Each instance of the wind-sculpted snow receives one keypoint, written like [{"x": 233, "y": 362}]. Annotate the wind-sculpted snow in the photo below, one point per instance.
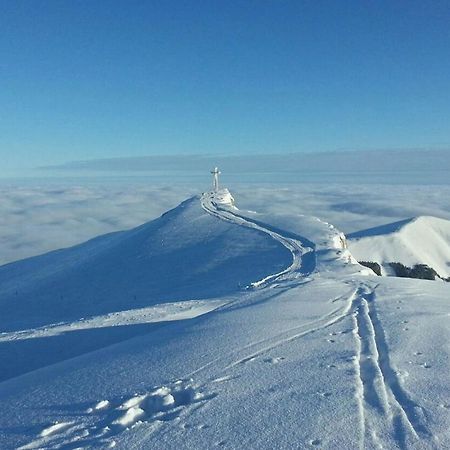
[{"x": 316, "y": 353}]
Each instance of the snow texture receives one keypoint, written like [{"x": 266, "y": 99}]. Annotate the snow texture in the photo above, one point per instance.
[{"x": 300, "y": 347}]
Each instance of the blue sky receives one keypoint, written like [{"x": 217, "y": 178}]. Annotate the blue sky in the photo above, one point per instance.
[{"x": 100, "y": 79}]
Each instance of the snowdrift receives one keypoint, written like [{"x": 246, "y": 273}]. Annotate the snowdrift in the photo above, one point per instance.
[{"x": 419, "y": 240}]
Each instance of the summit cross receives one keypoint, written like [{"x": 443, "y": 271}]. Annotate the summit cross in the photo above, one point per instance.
[{"x": 215, "y": 173}]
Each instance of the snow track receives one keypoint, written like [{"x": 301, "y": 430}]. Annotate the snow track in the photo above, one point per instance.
[
  {"x": 384, "y": 404},
  {"x": 297, "y": 249},
  {"x": 258, "y": 348},
  {"x": 306, "y": 356}
]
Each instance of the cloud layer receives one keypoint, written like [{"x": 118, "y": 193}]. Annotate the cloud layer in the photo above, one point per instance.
[
  {"x": 415, "y": 166},
  {"x": 37, "y": 219}
]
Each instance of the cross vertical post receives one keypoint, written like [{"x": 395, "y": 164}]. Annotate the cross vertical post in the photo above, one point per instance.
[{"x": 215, "y": 173}]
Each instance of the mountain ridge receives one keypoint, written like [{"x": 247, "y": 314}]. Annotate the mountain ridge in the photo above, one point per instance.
[{"x": 417, "y": 240}]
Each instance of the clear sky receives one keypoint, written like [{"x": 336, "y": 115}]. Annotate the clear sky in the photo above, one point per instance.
[{"x": 99, "y": 79}]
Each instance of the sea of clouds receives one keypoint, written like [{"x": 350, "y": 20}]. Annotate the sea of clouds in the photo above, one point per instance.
[{"x": 37, "y": 218}]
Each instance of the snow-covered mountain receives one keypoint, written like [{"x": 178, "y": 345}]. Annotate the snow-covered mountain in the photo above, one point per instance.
[
  {"x": 184, "y": 255},
  {"x": 215, "y": 327},
  {"x": 419, "y": 240}
]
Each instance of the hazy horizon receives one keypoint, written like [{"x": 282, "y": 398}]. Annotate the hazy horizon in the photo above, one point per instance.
[{"x": 397, "y": 166}]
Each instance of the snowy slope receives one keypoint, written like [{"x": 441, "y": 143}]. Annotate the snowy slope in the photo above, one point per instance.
[
  {"x": 185, "y": 255},
  {"x": 420, "y": 240},
  {"x": 317, "y": 354}
]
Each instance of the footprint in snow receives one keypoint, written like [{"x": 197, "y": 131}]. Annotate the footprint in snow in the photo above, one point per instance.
[
  {"x": 161, "y": 404},
  {"x": 349, "y": 330},
  {"x": 276, "y": 360},
  {"x": 325, "y": 394},
  {"x": 101, "y": 405},
  {"x": 58, "y": 432}
]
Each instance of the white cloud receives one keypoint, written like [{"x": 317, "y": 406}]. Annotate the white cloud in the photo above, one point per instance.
[
  {"x": 37, "y": 219},
  {"x": 351, "y": 207}
]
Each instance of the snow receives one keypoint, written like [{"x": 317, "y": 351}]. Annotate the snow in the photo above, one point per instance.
[
  {"x": 223, "y": 197},
  {"x": 420, "y": 240},
  {"x": 301, "y": 347},
  {"x": 115, "y": 286},
  {"x": 165, "y": 312},
  {"x": 57, "y": 427},
  {"x": 102, "y": 404},
  {"x": 43, "y": 215}
]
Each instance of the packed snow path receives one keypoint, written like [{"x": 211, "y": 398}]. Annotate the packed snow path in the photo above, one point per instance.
[
  {"x": 295, "y": 246},
  {"x": 313, "y": 355}
]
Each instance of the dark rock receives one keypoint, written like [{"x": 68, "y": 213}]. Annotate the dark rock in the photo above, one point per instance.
[
  {"x": 372, "y": 265},
  {"x": 420, "y": 271}
]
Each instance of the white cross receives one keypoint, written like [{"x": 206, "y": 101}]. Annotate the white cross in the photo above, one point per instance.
[{"x": 215, "y": 173}]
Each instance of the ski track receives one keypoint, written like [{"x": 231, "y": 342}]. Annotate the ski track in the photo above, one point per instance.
[
  {"x": 379, "y": 390},
  {"x": 382, "y": 401}
]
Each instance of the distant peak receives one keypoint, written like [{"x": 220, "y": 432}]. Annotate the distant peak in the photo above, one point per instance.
[
  {"x": 382, "y": 229},
  {"x": 396, "y": 227}
]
